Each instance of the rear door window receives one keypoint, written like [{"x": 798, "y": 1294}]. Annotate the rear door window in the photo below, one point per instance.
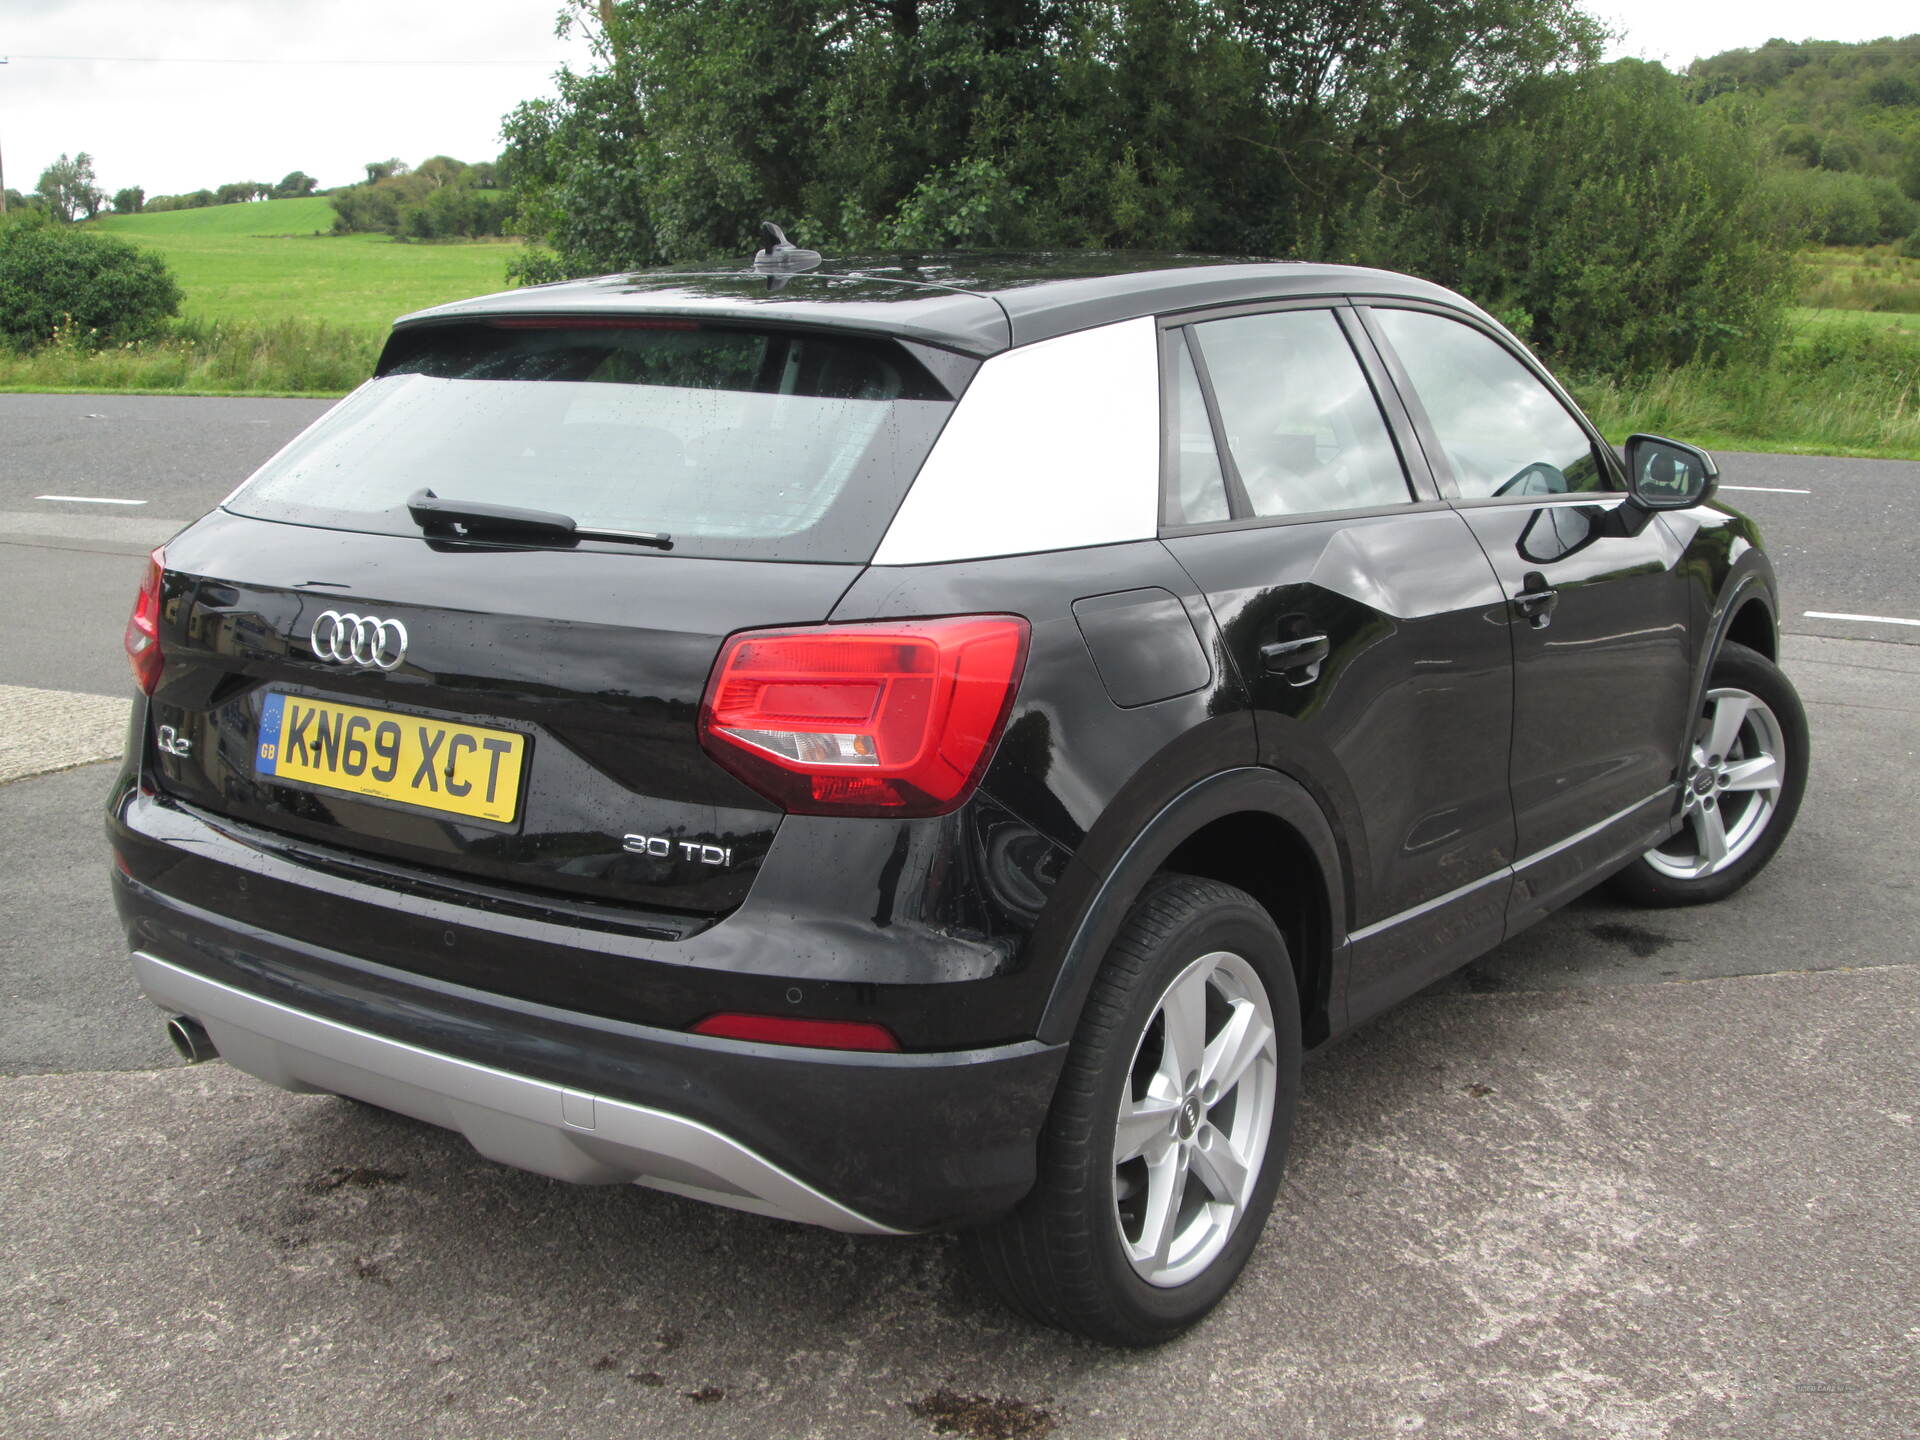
[
  {"x": 736, "y": 442},
  {"x": 1301, "y": 422}
]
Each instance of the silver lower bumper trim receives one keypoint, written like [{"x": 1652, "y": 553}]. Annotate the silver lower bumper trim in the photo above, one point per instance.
[{"x": 514, "y": 1119}]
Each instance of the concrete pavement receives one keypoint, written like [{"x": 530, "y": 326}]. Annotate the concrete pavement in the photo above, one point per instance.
[{"x": 1670, "y": 1210}]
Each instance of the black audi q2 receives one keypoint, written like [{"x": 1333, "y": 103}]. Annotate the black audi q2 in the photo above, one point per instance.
[{"x": 927, "y": 745}]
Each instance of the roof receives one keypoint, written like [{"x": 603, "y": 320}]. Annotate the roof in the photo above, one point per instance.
[{"x": 979, "y": 304}]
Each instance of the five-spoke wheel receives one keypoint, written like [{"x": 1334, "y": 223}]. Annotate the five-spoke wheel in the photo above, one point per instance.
[
  {"x": 1193, "y": 1122},
  {"x": 1731, "y": 786},
  {"x": 1740, "y": 787},
  {"x": 1169, "y": 1127}
]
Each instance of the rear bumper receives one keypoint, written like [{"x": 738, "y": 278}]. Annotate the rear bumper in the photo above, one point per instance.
[
  {"x": 870, "y": 1143},
  {"x": 533, "y": 1124}
]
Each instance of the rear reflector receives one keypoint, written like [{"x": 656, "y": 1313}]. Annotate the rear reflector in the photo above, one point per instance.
[
  {"x": 143, "y": 626},
  {"x": 783, "y": 1030},
  {"x": 895, "y": 718}
]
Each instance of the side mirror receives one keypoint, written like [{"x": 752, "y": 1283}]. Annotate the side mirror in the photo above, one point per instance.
[{"x": 1664, "y": 474}]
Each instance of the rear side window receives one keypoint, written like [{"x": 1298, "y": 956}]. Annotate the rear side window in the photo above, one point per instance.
[
  {"x": 1301, "y": 421},
  {"x": 737, "y": 442},
  {"x": 1504, "y": 433},
  {"x": 1199, "y": 488}
]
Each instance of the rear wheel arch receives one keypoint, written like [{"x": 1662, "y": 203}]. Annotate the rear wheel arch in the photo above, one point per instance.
[
  {"x": 1260, "y": 853},
  {"x": 1252, "y": 828}
]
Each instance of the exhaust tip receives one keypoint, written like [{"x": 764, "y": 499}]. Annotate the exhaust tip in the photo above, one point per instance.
[{"x": 191, "y": 1040}]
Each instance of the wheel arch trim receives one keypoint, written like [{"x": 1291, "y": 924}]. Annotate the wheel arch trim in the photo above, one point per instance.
[
  {"x": 1750, "y": 583},
  {"x": 1246, "y": 790}
]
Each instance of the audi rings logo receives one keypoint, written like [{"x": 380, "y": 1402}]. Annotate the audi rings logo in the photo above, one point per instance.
[{"x": 359, "y": 640}]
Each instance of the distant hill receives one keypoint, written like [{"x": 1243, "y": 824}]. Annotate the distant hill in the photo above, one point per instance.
[{"x": 1829, "y": 105}]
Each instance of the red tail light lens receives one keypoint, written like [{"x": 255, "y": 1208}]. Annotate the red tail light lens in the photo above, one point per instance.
[
  {"x": 784, "y": 1030},
  {"x": 896, "y": 718},
  {"x": 143, "y": 626}
]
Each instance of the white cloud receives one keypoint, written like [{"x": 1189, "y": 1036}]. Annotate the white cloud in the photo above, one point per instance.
[
  {"x": 174, "y": 125},
  {"x": 1679, "y": 32}
]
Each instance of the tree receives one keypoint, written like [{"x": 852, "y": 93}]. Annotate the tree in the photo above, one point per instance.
[
  {"x": 433, "y": 201},
  {"x": 378, "y": 170},
  {"x": 296, "y": 183},
  {"x": 1475, "y": 141},
  {"x": 67, "y": 188},
  {"x": 1621, "y": 225},
  {"x": 53, "y": 275},
  {"x": 440, "y": 170},
  {"x": 1182, "y": 123},
  {"x": 129, "y": 201}
]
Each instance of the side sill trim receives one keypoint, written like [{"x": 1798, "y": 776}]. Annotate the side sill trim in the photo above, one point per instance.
[
  {"x": 1425, "y": 907},
  {"x": 513, "y": 1119},
  {"x": 1592, "y": 830}
]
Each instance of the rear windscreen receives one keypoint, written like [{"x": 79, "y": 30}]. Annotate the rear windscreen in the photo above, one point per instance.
[{"x": 736, "y": 442}]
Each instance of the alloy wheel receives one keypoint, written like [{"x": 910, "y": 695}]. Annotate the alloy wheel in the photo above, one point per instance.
[
  {"x": 1735, "y": 772},
  {"x": 1194, "y": 1120}
]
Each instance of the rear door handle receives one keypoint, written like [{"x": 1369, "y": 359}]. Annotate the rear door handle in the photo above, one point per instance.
[{"x": 1298, "y": 660}]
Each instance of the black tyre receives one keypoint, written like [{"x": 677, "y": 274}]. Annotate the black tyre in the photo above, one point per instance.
[
  {"x": 1169, "y": 1131},
  {"x": 1741, "y": 786}
]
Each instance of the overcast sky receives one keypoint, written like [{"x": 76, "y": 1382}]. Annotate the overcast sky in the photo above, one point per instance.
[{"x": 152, "y": 111}]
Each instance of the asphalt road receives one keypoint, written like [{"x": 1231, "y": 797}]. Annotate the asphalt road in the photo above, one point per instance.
[{"x": 1634, "y": 1174}]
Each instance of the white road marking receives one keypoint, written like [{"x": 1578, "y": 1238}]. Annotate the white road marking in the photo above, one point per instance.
[
  {"x": 1863, "y": 619},
  {"x": 1767, "y": 489},
  {"x": 88, "y": 500}
]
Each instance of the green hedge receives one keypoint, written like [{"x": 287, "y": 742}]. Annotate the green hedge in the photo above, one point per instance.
[{"x": 90, "y": 287}]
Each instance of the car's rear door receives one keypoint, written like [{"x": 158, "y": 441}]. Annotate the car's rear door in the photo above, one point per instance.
[
  {"x": 1600, "y": 613},
  {"x": 1361, "y": 613}
]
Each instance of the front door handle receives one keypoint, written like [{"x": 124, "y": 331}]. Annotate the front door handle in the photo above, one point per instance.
[
  {"x": 1536, "y": 600},
  {"x": 1298, "y": 660}
]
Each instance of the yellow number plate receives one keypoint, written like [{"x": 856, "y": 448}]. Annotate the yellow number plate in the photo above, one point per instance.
[{"x": 428, "y": 763}]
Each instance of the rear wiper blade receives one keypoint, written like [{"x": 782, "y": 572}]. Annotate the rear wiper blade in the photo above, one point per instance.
[{"x": 477, "y": 519}]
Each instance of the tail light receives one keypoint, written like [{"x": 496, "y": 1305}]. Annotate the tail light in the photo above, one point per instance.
[
  {"x": 785, "y": 1030},
  {"x": 896, "y": 718},
  {"x": 143, "y": 626}
]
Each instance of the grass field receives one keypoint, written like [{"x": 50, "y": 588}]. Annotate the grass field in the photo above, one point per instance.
[
  {"x": 276, "y": 260},
  {"x": 1846, "y": 383},
  {"x": 1807, "y": 319},
  {"x": 1874, "y": 280}
]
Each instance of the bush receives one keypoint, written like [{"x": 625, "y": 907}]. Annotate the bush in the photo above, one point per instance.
[
  {"x": 438, "y": 201},
  {"x": 1844, "y": 208},
  {"x": 1605, "y": 216},
  {"x": 280, "y": 357},
  {"x": 98, "y": 288},
  {"x": 1910, "y": 247}
]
